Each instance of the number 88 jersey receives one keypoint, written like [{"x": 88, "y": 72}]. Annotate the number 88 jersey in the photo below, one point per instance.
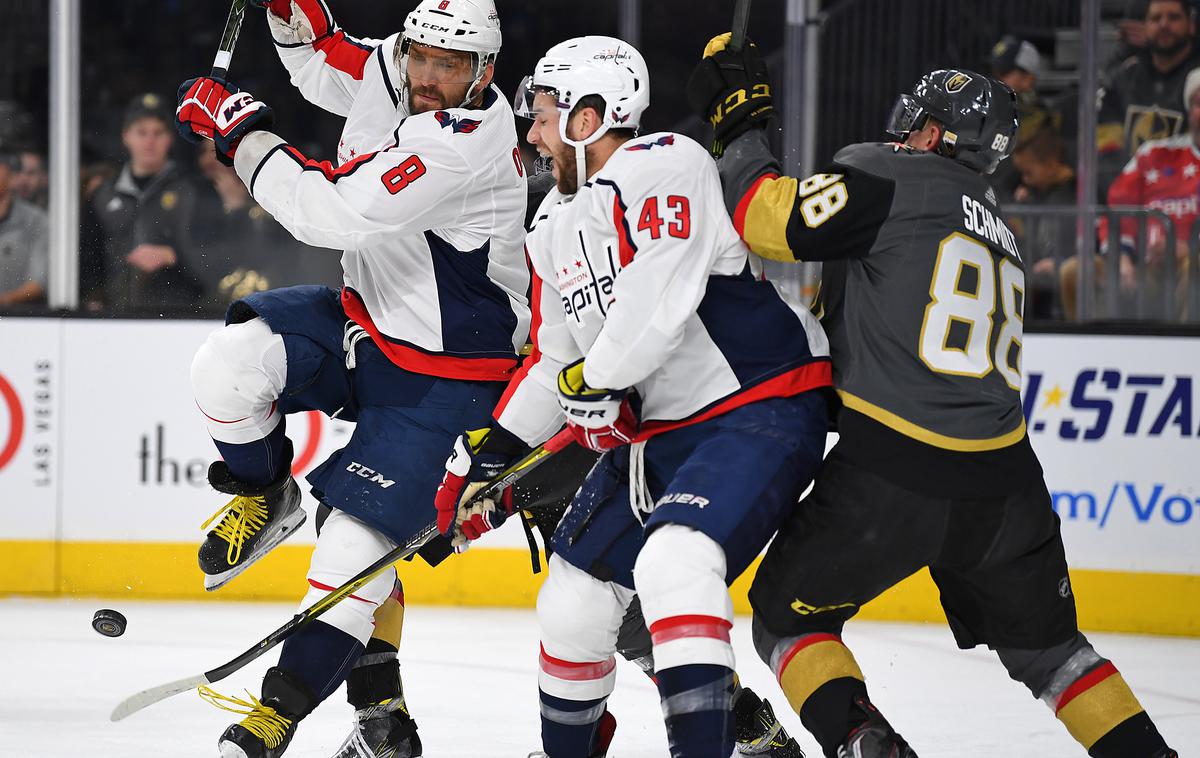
[{"x": 922, "y": 289}]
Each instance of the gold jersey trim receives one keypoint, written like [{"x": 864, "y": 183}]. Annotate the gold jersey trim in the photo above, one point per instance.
[{"x": 929, "y": 437}]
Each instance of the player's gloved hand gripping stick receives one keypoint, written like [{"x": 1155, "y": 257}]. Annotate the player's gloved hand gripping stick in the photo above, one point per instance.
[{"x": 493, "y": 490}]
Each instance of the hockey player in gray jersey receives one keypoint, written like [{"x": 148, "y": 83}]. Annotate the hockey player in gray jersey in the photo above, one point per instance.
[{"x": 922, "y": 299}]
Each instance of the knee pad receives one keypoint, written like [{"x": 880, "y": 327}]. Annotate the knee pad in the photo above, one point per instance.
[
  {"x": 344, "y": 547},
  {"x": 578, "y": 618},
  {"x": 237, "y": 375},
  {"x": 680, "y": 579}
]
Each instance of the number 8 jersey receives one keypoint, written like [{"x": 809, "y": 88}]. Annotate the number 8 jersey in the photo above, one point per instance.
[
  {"x": 642, "y": 272},
  {"x": 921, "y": 295}
]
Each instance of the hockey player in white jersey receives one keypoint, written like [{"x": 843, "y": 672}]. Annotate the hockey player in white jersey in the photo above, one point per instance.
[
  {"x": 426, "y": 201},
  {"x": 654, "y": 340}
]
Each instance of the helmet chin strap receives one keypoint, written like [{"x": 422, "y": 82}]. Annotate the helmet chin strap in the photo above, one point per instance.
[{"x": 580, "y": 147}]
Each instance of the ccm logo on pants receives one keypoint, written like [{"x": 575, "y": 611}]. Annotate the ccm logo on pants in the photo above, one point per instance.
[{"x": 369, "y": 474}]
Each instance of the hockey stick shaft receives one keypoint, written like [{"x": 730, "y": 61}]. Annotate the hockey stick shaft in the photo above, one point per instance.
[
  {"x": 229, "y": 38},
  {"x": 512, "y": 474},
  {"x": 741, "y": 20}
]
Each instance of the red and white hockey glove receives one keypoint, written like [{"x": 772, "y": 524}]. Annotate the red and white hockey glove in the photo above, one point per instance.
[
  {"x": 599, "y": 419},
  {"x": 478, "y": 456},
  {"x": 297, "y": 22},
  {"x": 214, "y": 109}
]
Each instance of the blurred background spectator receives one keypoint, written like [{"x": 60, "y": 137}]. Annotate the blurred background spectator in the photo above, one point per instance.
[
  {"x": 1017, "y": 63},
  {"x": 1163, "y": 175},
  {"x": 146, "y": 215},
  {"x": 1045, "y": 178},
  {"x": 1143, "y": 100},
  {"x": 245, "y": 249},
  {"x": 23, "y": 244},
  {"x": 32, "y": 181}
]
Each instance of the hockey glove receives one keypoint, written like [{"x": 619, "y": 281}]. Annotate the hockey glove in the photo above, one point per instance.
[
  {"x": 731, "y": 90},
  {"x": 478, "y": 456},
  {"x": 297, "y": 22},
  {"x": 599, "y": 419},
  {"x": 216, "y": 110}
]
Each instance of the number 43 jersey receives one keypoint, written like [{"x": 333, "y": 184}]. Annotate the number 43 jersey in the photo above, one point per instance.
[
  {"x": 922, "y": 290},
  {"x": 642, "y": 273}
]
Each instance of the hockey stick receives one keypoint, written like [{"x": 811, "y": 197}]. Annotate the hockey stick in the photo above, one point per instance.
[
  {"x": 229, "y": 38},
  {"x": 514, "y": 473},
  {"x": 741, "y": 19}
]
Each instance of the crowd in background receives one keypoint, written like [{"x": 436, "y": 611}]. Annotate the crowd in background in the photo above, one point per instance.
[{"x": 167, "y": 229}]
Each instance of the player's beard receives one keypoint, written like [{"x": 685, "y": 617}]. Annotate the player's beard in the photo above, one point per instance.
[{"x": 564, "y": 165}]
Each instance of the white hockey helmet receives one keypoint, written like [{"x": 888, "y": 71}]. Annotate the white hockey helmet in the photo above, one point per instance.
[
  {"x": 593, "y": 65},
  {"x": 471, "y": 26}
]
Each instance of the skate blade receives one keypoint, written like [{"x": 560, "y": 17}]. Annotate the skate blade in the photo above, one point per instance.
[{"x": 287, "y": 527}]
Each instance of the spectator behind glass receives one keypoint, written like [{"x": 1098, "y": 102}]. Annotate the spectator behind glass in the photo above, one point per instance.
[
  {"x": 23, "y": 241},
  {"x": 32, "y": 182},
  {"x": 1142, "y": 102},
  {"x": 146, "y": 214},
  {"x": 1016, "y": 63},
  {"x": 246, "y": 250},
  {"x": 1163, "y": 175},
  {"x": 1045, "y": 179}
]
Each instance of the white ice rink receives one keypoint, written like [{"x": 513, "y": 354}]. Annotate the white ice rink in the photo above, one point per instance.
[{"x": 470, "y": 681}]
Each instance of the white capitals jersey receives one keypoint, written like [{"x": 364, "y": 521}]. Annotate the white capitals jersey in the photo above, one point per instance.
[
  {"x": 642, "y": 273},
  {"x": 428, "y": 210}
]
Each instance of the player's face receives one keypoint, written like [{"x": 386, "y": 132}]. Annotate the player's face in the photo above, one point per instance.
[
  {"x": 437, "y": 78},
  {"x": 544, "y": 136},
  {"x": 1168, "y": 27},
  {"x": 148, "y": 142}
]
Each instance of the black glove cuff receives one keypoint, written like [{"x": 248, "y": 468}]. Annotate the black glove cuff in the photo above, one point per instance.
[{"x": 500, "y": 441}]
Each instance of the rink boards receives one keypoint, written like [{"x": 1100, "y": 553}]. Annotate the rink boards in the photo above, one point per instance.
[{"x": 103, "y": 459}]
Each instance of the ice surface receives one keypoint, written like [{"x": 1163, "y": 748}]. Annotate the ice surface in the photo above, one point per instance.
[{"x": 470, "y": 681}]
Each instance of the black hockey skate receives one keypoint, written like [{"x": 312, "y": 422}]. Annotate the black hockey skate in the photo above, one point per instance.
[
  {"x": 252, "y": 523},
  {"x": 382, "y": 731},
  {"x": 383, "y": 727},
  {"x": 270, "y": 723},
  {"x": 757, "y": 730},
  {"x": 874, "y": 738}
]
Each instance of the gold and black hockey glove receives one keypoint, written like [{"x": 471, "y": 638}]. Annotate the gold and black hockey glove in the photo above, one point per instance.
[{"x": 730, "y": 89}]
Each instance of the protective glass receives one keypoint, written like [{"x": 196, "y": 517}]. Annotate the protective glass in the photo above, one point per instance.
[
  {"x": 523, "y": 99},
  {"x": 421, "y": 63},
  {"x": 906, "y": 116}
]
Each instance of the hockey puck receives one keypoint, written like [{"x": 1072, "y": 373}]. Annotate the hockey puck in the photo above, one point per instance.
[{"x": 109, "y": 623}]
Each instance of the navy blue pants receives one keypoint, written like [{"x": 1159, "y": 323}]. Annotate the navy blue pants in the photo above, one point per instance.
[
  {"x": 388, "y": 472},
  {"x": 734, "y": 478}
]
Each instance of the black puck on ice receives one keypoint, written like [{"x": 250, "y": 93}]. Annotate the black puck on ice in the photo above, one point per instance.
[{"x": 109, "y": 623}]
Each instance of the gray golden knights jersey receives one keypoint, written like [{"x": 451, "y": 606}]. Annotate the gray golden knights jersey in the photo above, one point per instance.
[{"x": 923, "y": 285}]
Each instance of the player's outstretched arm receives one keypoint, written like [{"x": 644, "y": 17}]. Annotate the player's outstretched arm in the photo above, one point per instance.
[
  {"x": 363, "y": 202},
  {"x": 835, "y": 213},
  {"x": 324, "y": 62}
]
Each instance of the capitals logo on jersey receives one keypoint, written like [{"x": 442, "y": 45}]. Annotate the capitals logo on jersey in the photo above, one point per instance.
[
  {"x": 660, "y": 142},
  {"x": 459, "y": 125}
]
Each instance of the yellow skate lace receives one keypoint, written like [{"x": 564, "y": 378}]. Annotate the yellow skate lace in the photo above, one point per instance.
[
  {"x": 261, "y": 720},
  {"x": 244, "y": 516}
]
